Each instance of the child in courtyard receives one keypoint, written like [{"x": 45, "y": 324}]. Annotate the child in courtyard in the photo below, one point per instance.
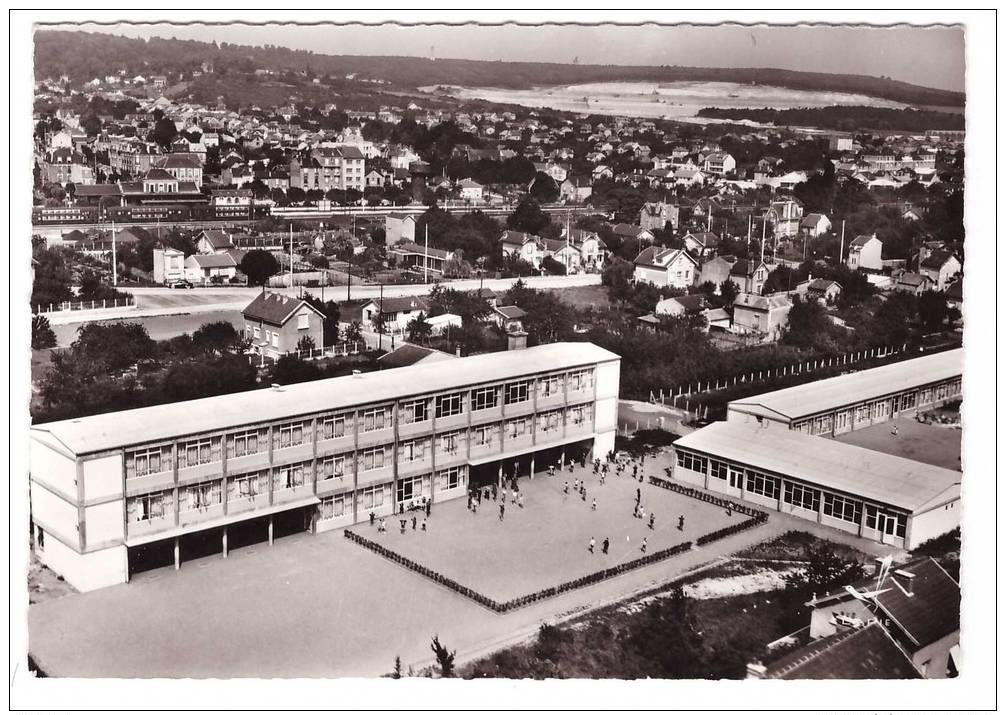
[
  {"x": 593, "y": 505},
  {"x": 643, "y": 546},
  {"x": 604, "y": 545},
  {"x": 681, "y": 523},
  {"x": 651, "y": 521},
  {"x": 590, "y": 548}
]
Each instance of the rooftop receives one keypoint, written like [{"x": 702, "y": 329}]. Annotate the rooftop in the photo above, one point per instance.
[
  {"x": 863, "y": 654},
  {"x": 879, "y": 477},
  {"x": 115, "y": 430},
  {"x": 273, "y": 308},
  {"x": 834, "y": 392}
]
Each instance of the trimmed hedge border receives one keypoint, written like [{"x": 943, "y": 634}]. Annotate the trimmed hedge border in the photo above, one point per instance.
[
  {"x": 756, "y": 517},
  {"x": 520, "y": 601}
]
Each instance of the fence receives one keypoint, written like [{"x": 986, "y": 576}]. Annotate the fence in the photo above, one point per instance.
[
  {"x": 685, "y": 392},
  {"x": 342, "y": 349},
  {"x": 83, "y": 305}
]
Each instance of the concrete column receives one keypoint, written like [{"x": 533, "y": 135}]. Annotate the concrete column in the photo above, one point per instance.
[
  {"x": 499, "y": 478},
  {"x": 532, "y": 465},
  {"x": 562, "y": 459},
  {"x": 862, "y": 520},
  {"x": 223, "y": 541},
  {"x": 270, "y": 530},
  {"x": 820, "y": 508},
  {"x": 178, "y": 555},
  {"x": 782, "y": 490}
]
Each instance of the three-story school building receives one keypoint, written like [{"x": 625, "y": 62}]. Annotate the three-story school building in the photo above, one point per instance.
[{"x": 110, "y": 488}]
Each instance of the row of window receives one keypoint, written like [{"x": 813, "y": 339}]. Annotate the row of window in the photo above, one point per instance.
[{"x": 879, "y": 409}]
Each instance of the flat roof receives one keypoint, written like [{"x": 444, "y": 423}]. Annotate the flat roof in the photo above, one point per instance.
[
  {"x": 114, "y": 430},
  {"x": 875, "y": 476},
  {"x": 834, "y": 392}
]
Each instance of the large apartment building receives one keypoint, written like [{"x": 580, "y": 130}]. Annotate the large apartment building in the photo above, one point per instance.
[
  {"x": 326, "y": 168},
  {"x": 109, "y": 490}
]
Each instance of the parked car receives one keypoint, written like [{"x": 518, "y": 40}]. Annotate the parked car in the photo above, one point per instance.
[{"x": 179, "y": 284}]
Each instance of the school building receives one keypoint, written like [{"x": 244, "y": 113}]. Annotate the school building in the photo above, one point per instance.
[
  {"x": 859, "y": 399},
  {"x": 874, "y": 495},
  {"x": 115, "y": 493}
]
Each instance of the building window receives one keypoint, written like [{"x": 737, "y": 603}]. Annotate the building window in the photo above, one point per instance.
[
  {"x": 415, "y": 411},
  {"x": 303, "y": 321},
  {"x": 551, "y": 385},
  {"x": 451, "y": 478},
  {"x": 449, "y": 443},
  {"x": 201, "y": 496},
  {"x": 149, "y": 506},
  {"x": 332, "y": 427},
  {"x": 516, "y": 392},
  {"x": 580, "y": 380},
  {"x": 372, "y": 497},
  {"x": 373, "y": 459},
  {"x": 762, "y": 484},
  {"x": 198, "y": 452},
  {"x": 550, "y": 421},
  {"x": 331, "y": 508},
  {"x": 801, "y": 496},
  {"x": 687, "y": 460},
  {"x": 449, "y": 405},
  {"x": 275, "y": 340},
  {"x": 484, "y": 398},
  {"x": 413, "y": 451},
  {"x": 257, "y": 332},
  {"x": 517, "y": 428},
  {"x": 146, "y": 462},
  {"x": 333, "y": 468},
  {"x": 290, "y": 476},
  {"x": 290, "y": 435},
  {"x": 483, "y": 436},
  {"x": 842, "y": 508},
  {"x": 409, "y": 488},
  {"x": 246, "y": 486},
  {"x": 243, "y": 443},
  {"x": 579, "y": 415},
  {"x": 907, "y": 401},
  {"x": 718, "y": 469},
  {"x": 374, "y": 419}
]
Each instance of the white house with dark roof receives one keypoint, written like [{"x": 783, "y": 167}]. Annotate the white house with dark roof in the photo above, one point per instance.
[
  {"x": 665, "y": 267},
  {"x": 209, "y": 268},
  {"x": 763, "y": 314},
  {"x": 865, "y": 252},
  {"x": 275, "y": 324},
  {"x": 815, "y": 224},
  {"x": 525, "y": 246}
]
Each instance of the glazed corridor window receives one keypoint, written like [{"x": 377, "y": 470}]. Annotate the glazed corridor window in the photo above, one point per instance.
[
  {"x": 413, "y": 451},
  {"x": 332, "y": 427},
  {"x": 579, "y": 415},
  {"x": 247, "y": 486},
  {"x": 579, "y": 380},
  {"x": 687, "y": 460},
  {"x": 516, "y": 392},
  {"x": 449, "y": 405},
  {"x": 374, "y": 419},
  {"x": 291, "y": 476},
  {"x": 332, "y": 508},
  {"x": 451, "y": 478},
  {"x": 517, "y": 428},
  {"x": 842, "y": 508},
  {"x": 372, "y": 497},
  {"x": 149, "y": 506},
  {"x": 333, "y": 468},
  {"x": 144, "y": 462},
  {"x": 801, "y": 496},
  {"x": 201, "y": 496},
  {"x": 484, "y": 398},
  {"x": 550, "y": 421},
  {"x": 198, "y": 452},
  {"x": 551, "y": 386},
  {"x": 373, "y": 459},
  {"x": 290, "y": 435},
  {"x": 718, "y": 469},
  {"x": 243, "y": 443},
  {"x": 415, "y": 411},
  {"x": 762, "y": 484},
  {"x": 483, "y": 436},
  {"x": 449, "y": 443}
]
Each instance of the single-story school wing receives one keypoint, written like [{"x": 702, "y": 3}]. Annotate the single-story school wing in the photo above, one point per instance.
[
  {"x": 859, "y": 399},
  {"x": 109, "y": 490},
  {"x": 871, "y": 494}
]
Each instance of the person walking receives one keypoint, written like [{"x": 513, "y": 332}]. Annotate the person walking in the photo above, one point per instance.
[
  {"x": 651, "y": 521},
  {"x": 381, "y": 528},
  {"x": 681, "y": 523},
  {"x": 639, "y": 495},
  {"x": 590, "y": 547},
  {"x": 502, "y": 509},
  {"x": 602, "y": 479},
  {"x": 643, "y": 545},
  {"x": 604, "y": 545},
  {"x": 372, "y": 517},
  {"x": 642, "y": 460},
  {"x": 576, "y": 485},
  {"x": 423, "y": 527},
  {"x": 565, "y": 487},
  {"x": 429, "y": 507},
  {"x": 413, "y": 523},
  {"x": 642, "y": 513},
  {"x": 583, "y": 494},
  {"x": 402, "y": 522},
  {"x": 520, "y": 500},
  {"x": 593, "y": 505}
]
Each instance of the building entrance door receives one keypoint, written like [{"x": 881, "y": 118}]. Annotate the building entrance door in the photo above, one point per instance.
[{"x": 888, "y": 526}]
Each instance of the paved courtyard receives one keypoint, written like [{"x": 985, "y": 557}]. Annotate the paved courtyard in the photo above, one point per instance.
[
  {"x": 546, "y": 542},
  {"x": 930, "y": 444}
]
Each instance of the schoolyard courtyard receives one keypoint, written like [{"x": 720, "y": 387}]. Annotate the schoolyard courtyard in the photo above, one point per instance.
[
  {"x": 931, "y": 444},
  {"x": 546, "y": 542}
]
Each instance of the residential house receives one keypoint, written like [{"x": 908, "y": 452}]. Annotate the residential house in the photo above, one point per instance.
[
  {"x": 588, "y": 246},
  {"x": 340, "y": 167},
  {"x": 785, "y": 216},
  {"x": 716, "y": 270},
  {"x": 184, "y": 167},
  {"x": 681, "y": 305},
  {"x": 399, "y": 227},
  {"x": 815, "y": 224},
  {"x": 575, "y": 189},
  {"x": 396, "y": 313},
  {"x": 169, "y": 266},
  {"x": 703, "y": 243},
  {"x": 658, "y": 215},
  {"x": 916, "y": 283},
  {"x": 525, "y": 246},
  {"x": 823, "y": 291},
  {"x": 665, "y": 267},
  {"x": 763, "y": 314},
  {"x": 471, "y": 191},
  {"x": 411, "y": 256},
  {"x": 213, "y": 241},
  {"x": 865, "y": 252},
  {"x": 65, "y": 166},
  {"x": 628, "y": 232},
  {"x": 719, "y": 163},
  {"x": 509, "y": 318},
  {"x": 210, "y": 268},
  {"x": 941, "y": 267},
  {"x": 749, "y": 275},
  {"x": 275, "y": 324}
]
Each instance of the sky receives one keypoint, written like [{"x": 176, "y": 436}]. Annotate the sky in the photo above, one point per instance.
[{"x": 927, "y": 56}]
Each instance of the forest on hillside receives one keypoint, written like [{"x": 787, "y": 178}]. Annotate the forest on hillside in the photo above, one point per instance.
[
  {"x": 82, "y": 56},
  {"x": 844, "y": 118}
]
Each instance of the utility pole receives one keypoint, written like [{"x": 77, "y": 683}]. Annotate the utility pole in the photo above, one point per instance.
[
  {"x": 841, "y": 244},
  {"x": 709, "y": 217},
  {"x": 349, "y": 272},
  {"x": 763, "y": 224},
  {"x": 291, "y": 255},
  {"x": 426, "y": 255},
  {"x": 380, "y": 318},
  {"x": 115, "y": 267}
]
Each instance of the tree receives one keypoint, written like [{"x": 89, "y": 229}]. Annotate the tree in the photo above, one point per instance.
[
  {"x": 259, "y": 266},
  {"x": 528, "y": 217},
  {"x": 353, "y": 332},
  {"x": 290, "y": 369},
  {"x": 419, "y": 329},
  {"x": 52, "y": 283},
  {"x": 808, "y": 324},
  {"x": 112, "y": 346},
  {"x": 445, "y": 658},
  {"x": 933, "y": 309},
  {"x": 217, "y": 337},
  {"x": 305, "y": 344},
  {"x": 666, "y": 635},
  {"x": 164, "y": 132},
  {"x": 826, "y": 570},
  {"x": 617, "y": 275},
  {"x": 397, "y": 672},
  {"x": 330, "y": 323},
  {"x": 728, "y": 292},
  {"x": 42, "y": 335}
]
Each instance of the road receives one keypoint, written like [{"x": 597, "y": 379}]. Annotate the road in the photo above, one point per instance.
[{"x": 156, "y": 302}]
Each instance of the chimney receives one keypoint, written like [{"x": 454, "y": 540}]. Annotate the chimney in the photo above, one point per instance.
[
  {"x": 878, "y": 565},
  {"x": 457, "y": 350},
  {"x": 516, "y": 340},
  {"x": 756, "y": 671},
  {"x": 905, "y": 579}
]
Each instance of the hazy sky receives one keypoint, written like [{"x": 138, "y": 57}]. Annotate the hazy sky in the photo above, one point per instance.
[{"x": 928, "y": 56}]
